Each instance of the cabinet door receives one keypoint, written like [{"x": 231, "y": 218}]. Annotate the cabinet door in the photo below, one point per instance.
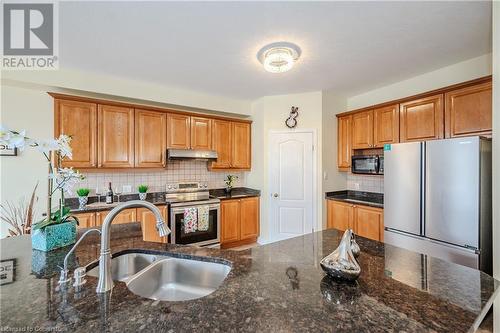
[
  {"x": 386, "y": 125},
  {"x": 86, "y": 220},
  {"x": 148, "y": 224},
  {"x": 178, "y": 131},
  {"x": 230, "y": 221},
  {"x": 422, "y": 119},
  {"x": 116, "y": 136},
  {"x": 150, "y": 139},
  {"x": 78, "y": 120},
  {"x": 241, "y": 156},
  {"x": 339, "y": 215},
  {"x": 468, "y": 111},
  {"x": 201, "y": 133},
  {"x": 125, "y": 216},
  {"x": 222, "y": 143},
  {"x": 362, "y": 130},
  {"x": 344, "y": 148},
  {"x": 249, "y": 210},
  {"x": 368, "y": 222}
]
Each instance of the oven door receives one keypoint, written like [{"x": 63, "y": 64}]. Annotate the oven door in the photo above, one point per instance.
[
  {"x": 364, "y": 164},
  {"x": 210, "y": 236}
]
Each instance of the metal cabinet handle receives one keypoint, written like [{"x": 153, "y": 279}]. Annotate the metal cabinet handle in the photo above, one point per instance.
[{"x": 275, "y": 195}]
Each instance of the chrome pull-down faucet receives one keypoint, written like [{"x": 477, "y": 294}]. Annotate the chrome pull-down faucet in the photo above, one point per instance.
[{"x": 105, "y": 280}]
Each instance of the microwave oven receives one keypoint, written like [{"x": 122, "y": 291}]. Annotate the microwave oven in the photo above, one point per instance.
[{"x": 367, "y": 164}]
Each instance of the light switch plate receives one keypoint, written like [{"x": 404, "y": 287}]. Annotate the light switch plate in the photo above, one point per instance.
[{"x": 127, "y": 189}]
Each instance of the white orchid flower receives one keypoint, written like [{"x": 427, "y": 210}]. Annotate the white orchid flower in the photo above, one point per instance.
[
  {"x": 67, "y": 178},
  {"x": 63, "y": 146},
  {"x": 13, "y": 139},
  {"x": 46, "y": 146}
]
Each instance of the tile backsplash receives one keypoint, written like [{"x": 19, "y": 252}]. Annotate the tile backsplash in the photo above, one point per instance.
[
  {"x": 176, "y": 171},
  {"x": 365, "y": 183}
]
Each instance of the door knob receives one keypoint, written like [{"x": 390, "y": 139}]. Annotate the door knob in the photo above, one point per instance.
[{"x": 275, "y": 195}]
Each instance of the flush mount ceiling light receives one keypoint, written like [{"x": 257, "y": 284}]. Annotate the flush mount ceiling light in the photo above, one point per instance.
[{"x": 278, "y": 57}]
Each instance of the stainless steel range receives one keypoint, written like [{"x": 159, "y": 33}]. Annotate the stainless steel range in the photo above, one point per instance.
[{"x": 194, "y": 214}]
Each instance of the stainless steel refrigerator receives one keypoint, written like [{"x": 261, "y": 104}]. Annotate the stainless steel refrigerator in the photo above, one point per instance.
[{"x": 437, "y": 199}]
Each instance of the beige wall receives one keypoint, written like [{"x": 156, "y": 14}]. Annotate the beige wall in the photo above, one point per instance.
[
  {"x": 333, "y": 180},
  {"x": 442, "y": 77},
  {"x": 269, "y": 114},
  {"x": 496, "y": 158}
]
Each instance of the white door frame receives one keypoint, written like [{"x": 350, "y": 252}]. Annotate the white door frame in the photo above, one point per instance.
[{"x": 317, "y": 225}]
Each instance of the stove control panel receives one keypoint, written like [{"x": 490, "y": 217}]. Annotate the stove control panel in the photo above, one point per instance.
[{"x": 186, "y": 187}]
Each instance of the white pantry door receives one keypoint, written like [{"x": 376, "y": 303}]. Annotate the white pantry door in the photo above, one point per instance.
[{"x": 291, "y": 184}]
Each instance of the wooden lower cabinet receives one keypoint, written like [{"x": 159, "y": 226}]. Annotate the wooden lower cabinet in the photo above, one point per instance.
[
  {"x": 240, "y": 219},
  {"x": 125, "y": 216},
  {"x": 340, "y": 215},
  {"x": 365, "y": 221},
  {"x": 148, "y": 224},
  {"x": 369, "y": 222},
  {"x": 85, "y": 220}
]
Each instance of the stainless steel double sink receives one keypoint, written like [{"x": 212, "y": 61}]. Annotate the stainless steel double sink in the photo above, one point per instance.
[{"x": 166, "y": 278}]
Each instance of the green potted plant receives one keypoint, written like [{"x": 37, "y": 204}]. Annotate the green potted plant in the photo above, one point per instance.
[
  {"x": 143, "y": 191},
  {"x": 83, "y": 196},
  {"x": 58, "y": 227},
  {"x": 230, "y": 179}
]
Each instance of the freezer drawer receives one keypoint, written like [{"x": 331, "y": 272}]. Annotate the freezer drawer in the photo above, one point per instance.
[{"x": 432, "y": 248}]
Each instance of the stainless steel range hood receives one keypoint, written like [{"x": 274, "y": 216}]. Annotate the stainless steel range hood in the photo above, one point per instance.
[{"x": 191, "y": 154}]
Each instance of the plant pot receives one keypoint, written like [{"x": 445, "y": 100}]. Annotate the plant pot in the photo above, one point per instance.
[
  {"x": 228, "y": 190},
  {"x": 142, "y": 196},
  {"x": 83, "y": 201},
  {"x": 54, "y": 236}
]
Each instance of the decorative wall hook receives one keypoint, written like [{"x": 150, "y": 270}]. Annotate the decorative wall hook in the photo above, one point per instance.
[{"x": 291, "y": 121}]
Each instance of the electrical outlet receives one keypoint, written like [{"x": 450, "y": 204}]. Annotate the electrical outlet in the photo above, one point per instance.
[
  {"x": 127, "y": 189},
  {"x": 325, "y": 175},
  {"x": 356, "y": 186}
]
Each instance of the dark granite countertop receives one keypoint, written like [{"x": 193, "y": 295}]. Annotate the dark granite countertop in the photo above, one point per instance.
[
  {"x": 157, "y": 198},
  {"x": 236, "y": 193},
  {"x": 357, "y": 197},
  {"x": 278, "y": 287}
]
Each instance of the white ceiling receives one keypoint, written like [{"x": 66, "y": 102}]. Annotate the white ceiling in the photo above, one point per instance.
[{"x": 351, "y": 47}]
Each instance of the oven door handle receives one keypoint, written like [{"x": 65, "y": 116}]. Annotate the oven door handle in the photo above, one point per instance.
[{"x": 181, "y": 209}]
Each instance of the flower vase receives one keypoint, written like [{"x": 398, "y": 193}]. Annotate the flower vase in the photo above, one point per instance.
[
  {"x": 54, "y": 236},
  {"x": 82, "y": 202},
  {"x": 228, "y": 190},
  {"x": 142, "y": 196}
]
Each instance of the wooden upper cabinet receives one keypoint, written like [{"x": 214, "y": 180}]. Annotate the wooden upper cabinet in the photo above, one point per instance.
[
  {"x": 468, "y": 111},
  {"x": 249, "y": 212},
  {"x": 340, "y": 215},
  {"x": 222, "y": 143},
  {"x": 362, "y": 130},
  {"x": 178, "y": 131},
  {"x": 201, "y": 133},
  {"x": 115, "y": 136},
  {"x": 230, "y": 221},
  {"x": 150, "y": 139},
  {"x": 148, "y": 224},
  {"x": 344, "y": 145},
  {"x": 242, "y": 151},
  {"x": 386, "y": 125},
  {"x": 422, "y": 119},
  {"x": 78, "y": 120},
  {"x": 368, "y": 222}
]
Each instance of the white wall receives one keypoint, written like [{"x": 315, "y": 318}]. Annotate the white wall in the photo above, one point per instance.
[
  {"x": 456, "y": 73},
  {"x": 31, "y": 110}
]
